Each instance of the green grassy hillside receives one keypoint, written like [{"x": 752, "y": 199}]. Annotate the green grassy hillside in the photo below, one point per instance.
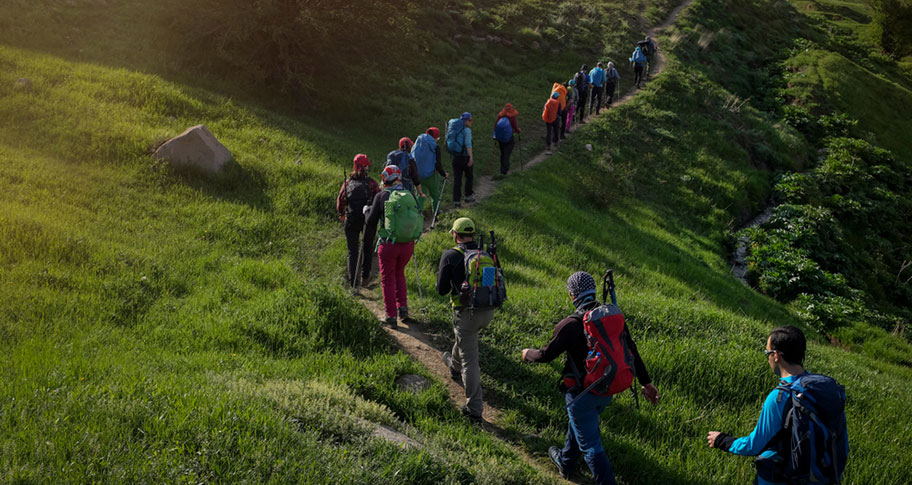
[{"x": 169, "y": 327}]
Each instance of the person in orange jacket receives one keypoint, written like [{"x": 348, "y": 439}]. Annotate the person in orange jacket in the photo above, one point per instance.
[
  {"x": 561, "y": 91},
  {"x": 549, "y": 116}
]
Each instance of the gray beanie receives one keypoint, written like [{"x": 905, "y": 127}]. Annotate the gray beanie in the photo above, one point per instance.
[{"x": 581, "y": 284}]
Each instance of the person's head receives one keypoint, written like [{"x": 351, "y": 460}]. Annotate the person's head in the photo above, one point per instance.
[
  {"x": 785, "y": 347},
  {"x": 648, "y": 38},
  {"x": 600, "y": 64},
  {"x": 555, "y": 95},
  {"x": 584, "y": 68},
  {"x": 360, "y": 164},
  {"x": 467, "y": 118},
  {"x": 390, "y": 175},
  {"x": 573, "y": 82},
  {"x": 463, "y": 230},
  {"x": 508, "y": 110},
  {"x": 434, "y": 132},
  {"x": 405, "y": 143},
  {"x": 610, "y": 65},
  {"x": 581, "y": 286}
]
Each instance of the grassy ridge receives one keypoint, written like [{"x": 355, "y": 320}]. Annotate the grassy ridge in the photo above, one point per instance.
[{"x": 166, "y": 327}]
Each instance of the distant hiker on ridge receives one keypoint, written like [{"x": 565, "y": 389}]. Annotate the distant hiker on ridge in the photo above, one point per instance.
[
  {"x": 398, "y": 231},
  {"x": 584, "y": 436},
  {"x": 582, "y": 87},
  {"x": 459, "y": 144},
  {"x": 611, "y": 82},
  {"x": 504, "y": 129},
  {"x": 597, "y": 76},
  {"x": 549, "y": 116},
  {"x": 357, "y": 192},
  {"x": 638, "y": 60},
  {"x": 811, "y": 406},
  {"x": 426, "y": 153},
  {"x": 648, "y": 46}
]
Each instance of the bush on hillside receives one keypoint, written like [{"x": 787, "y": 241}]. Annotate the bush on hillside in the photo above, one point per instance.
[{"x": 893, "y": 20}]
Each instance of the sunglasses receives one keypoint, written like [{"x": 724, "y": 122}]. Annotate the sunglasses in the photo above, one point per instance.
[{"x": 768, "y": 352}]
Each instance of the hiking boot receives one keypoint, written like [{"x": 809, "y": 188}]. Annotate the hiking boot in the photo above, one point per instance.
[
  {"x": 473, "y": 417},
  {"x": 469, "y": 198},
  {"x": 555, "y": 454},
  {"x": 391, "y": 322},
  {"x": 404, "y": 316}
]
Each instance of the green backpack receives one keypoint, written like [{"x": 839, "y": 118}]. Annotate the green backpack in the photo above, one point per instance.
[
  {"x": 402, "y": 221},
  {"x": 484, "y": 286}
]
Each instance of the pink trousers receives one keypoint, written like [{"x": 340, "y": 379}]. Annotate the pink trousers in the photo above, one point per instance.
[{"x": 393, "y": 259}]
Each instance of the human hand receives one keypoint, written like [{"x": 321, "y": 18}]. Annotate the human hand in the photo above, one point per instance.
[
  {"x": 711, "y": 438},
  {"x": 446, "y": 175},
  {"x": 471, "y": 162},
  {"x": 365, "y": 209},
  {"x": 651, "y": 393},
  {"x": 524, "y": 353}
]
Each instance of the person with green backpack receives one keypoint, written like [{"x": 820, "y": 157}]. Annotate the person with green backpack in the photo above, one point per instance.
[
  {"x": 474, "y": 280},
  {"x": 401, "y": 226}
]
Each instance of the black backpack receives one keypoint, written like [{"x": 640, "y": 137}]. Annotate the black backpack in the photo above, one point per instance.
[
  {"x": 582, "y": 81},
  {"x": 357, "y": 195}
]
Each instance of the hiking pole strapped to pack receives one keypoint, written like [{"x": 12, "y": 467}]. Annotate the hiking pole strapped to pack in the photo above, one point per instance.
[
  {"x": 434, "y": 220},
  {"x": 492, "y": 250},
  {"x": 608, "y": 287}
]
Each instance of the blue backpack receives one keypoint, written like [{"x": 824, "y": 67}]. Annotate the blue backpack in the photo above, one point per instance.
[
  {"x": 401, "y": 159},
  {"x": 638, "y": 57},
  {"x": 814, "y": 441},
  {"x": 503, "y": 131},
  {"x": 425, "y": 154},
  {"x": 455, "y": 136}
]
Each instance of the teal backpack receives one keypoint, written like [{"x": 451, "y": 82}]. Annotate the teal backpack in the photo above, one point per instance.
[{"x": 402, "y": 221}]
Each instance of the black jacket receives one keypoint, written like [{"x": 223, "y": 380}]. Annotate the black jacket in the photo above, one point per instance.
[{"x": 451, "y": 271}]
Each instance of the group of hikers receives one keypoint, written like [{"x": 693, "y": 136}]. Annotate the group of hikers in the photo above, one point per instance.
[{"x": 801, "y": 434}]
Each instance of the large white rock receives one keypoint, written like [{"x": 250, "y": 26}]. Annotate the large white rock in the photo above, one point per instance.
[{"x": 196, "y": 148}]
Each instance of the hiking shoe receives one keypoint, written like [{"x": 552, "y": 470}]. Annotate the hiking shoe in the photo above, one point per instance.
[
  {"x": 469, "y": 198},
  {"x": 391, "y": 322},
  {"x": 555, "y": 454},
  {"x": 404, "y": 316},
  {"x": 473, "y": 417}
]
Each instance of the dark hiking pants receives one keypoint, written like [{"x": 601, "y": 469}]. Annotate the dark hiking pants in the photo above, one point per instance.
[
  {"x": 461, "y": 167},
  {"x": 596, "y": 98},
  {"x": 353, "y": 229},
  {"x": 506, "y": 149},
  {"x": 551, "y": 133},
  {"x": 581, "y": 104},
  {"x": 609, "y": 92},
  {"x": 638, "y": 74},
  {"x": 562, "y": 119}
]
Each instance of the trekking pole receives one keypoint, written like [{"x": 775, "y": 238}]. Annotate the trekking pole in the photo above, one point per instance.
[
  {"x": 608, "y": 287},
  {"x": 434, "y": 220},
  {"x": 360, "y": 260}
]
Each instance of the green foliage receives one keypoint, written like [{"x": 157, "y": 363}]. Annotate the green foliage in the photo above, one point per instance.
[{"x": 893, "y": 19}]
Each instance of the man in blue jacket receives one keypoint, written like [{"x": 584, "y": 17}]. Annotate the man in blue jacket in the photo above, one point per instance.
[
  {"x": 597, "y": 75},
  {"x": 785, "y": 350}
]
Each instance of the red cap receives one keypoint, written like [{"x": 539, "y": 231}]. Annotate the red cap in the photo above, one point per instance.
[
  {"x": 360, "y": 161},
  {"x": 405, "y": 143},
  {"x": 434, "y": 132}
]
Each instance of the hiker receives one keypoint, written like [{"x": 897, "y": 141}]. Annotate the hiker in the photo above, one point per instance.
[
  {"x": 582, "y": 87},
  {"x": 472, "y": 278},
  {"x": 572, "y": 101},
  {"x": 402, "y": 158},
  {"x": 426, "y": 154},
  {"x": 782, "y": 416},
  {"x": 504, "y": 129},
  {"x": 612, "y": 77},
  {"x": 584, "y": 436},
  {"x": 597, "y": 77},
  {"x": 398, "y": 233},
  {"x": 648, "y": 46},
  {"x": 459, "y": 144},
  {"x": 562, "y": 111},
  {"x": 357, "y": 192},
  {"x": 638, "y": 60},
  {"x": 549, "y": 116}
]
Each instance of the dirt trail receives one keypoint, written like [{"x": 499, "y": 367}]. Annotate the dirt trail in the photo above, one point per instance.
[{"x": 422, "y": 347}]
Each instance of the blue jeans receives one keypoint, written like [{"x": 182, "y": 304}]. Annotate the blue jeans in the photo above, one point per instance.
[{"x": 585, "y": 438}]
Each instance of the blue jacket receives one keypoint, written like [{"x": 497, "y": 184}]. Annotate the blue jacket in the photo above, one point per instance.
[
  {"x": 638, "y": 57},
  {"x": 597, "y": 75}
]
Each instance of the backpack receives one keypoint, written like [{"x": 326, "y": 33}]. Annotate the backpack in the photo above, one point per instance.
[
  {"x": 503, "y": 131},
  {"x": 638, "y": 57},
  {"x": 646, "y": 47},
  {"x": 455, "y": 136},
  {"x": 813, "y": 440},
  {"x": 609, "y": 364},
  {"x": 357, "y": 195},
  {"x": 484, "y": 286},
  {"x": 400, "y": 159},
  {"x": 582, "y": 81},
  {"x": 402, "y": 221},
  {"x": 425, "y": 154}
]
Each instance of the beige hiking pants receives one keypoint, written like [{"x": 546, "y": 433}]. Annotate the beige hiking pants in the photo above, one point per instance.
[{"x": 467, "y": 324}]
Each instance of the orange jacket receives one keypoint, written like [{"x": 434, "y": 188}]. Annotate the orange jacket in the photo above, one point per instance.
[
  {"x": 562, "y": 91},
  {"x": 551, "y": 109}
]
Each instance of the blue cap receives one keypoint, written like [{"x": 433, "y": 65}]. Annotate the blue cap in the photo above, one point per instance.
[
  {"x": 466, "y": 116},
  {"x": 555, "y": 95}
]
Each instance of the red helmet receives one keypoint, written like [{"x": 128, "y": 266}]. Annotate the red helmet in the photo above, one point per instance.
[
  {"x": 361, "y": 161},
  {"x": 405, "y": 143},
  {"x": 390, "y": 174},
  {"x": 434, "y": 132}
]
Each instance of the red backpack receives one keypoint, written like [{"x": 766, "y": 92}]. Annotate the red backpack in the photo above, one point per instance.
[{"x": 609, "y": 365}]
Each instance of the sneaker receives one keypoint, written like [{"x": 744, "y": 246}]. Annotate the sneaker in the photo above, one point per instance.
[
  {"x": 555, "y": 454},
  {"x": 469, "y": 198},
  {"x": 473, "y": 417},
  {"x": 391, "y": 322}
]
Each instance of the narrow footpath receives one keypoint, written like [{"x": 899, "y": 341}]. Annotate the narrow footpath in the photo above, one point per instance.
[{"x": 420, "y": 345}]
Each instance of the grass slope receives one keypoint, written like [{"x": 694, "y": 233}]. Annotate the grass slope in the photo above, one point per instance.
[{"x": 168, "y": 327}]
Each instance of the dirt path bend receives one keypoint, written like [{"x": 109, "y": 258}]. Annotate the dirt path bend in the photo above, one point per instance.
[{"x": 422, "y": 347}]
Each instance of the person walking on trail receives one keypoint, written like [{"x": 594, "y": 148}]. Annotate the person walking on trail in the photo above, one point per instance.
[
  {"x": 648, "y": 46},
  {"x": 561, "y": 91},
  {"x": 397, "y": 208},
  {"x": 584, "y": 435},
  {"x": 459, "y": 144},
  {"x": 786, "y": 415},
  {"x": 426, "y": 154},
  {"x": 582, "y": 87},
  {"x": 402, "y": 158},
  {"x": 357, "y": 192},
  {"x": 597, "y": 77},
  {"x": 638, "y": 60},
  {"x": 504, "y": 129},
  {"x": 572, "y": 101},
  {"x": 549, "y": 116},
  {"x": 453, "y": 278},
  {"x": 612, "y": 77}
]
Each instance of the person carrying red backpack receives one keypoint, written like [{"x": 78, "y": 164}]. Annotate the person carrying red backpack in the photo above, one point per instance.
[{"x": 584, "y": 404}]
